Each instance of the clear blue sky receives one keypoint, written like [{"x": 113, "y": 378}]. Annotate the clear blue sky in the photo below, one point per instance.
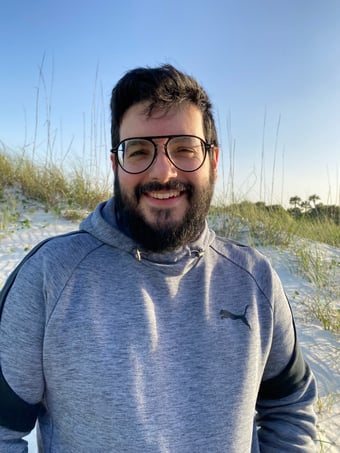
[{"x": 271, "y": 67}]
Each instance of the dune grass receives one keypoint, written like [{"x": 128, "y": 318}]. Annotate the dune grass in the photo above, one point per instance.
[
  {"x": 51, "y": 185},
  {"x": 272, "y": 225},
  {"x": 323, "y": 271}
]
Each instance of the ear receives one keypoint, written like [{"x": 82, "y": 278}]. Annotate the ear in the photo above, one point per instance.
[
  {"x": 113, "y": 162},
  {"x": 215, "y": 160}
]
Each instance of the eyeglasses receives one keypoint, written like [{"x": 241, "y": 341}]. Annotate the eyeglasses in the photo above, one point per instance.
[{"x": 185, "y": 152}]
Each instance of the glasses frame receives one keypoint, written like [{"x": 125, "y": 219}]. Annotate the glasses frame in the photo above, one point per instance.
[{"x": 206, "y": 147}]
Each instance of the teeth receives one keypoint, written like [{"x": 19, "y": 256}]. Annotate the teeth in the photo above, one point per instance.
[{"x": 164, "y": 196}]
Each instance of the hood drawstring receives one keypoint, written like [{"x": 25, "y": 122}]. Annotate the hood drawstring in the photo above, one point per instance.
[
  {"x": 199, "y": 252},
  {"x": 138, "y": 255}
]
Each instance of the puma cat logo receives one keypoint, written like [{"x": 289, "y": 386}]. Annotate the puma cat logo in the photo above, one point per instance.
[{"x": 227, "y": 314}]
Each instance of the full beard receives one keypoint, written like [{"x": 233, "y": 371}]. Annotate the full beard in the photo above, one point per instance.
[{"x": 163, "y": 234}]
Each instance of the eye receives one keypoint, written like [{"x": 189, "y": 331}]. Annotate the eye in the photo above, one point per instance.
[
  {"x": 135, "y": 150},
  {"x": 184, "y": 151},
  {"x": 185, "y": 147}
]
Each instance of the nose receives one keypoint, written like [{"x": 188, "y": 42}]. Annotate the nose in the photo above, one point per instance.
[{"x": 162, "y": 169}]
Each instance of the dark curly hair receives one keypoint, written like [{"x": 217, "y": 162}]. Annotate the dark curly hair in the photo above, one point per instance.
[{"x": 161, "y": 88}]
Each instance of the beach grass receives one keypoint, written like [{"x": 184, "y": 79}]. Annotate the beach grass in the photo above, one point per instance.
[
  {"x": 50, "y": 184},
  {"x": 272, "y": 225}
]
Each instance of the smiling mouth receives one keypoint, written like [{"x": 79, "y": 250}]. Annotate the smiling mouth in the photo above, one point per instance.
[
  {"x": 165, "y": 195},
  {"x": 169, "y": 191}
]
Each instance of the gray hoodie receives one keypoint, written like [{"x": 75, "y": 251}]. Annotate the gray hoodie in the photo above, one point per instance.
[{"x": 115, "y": 349}]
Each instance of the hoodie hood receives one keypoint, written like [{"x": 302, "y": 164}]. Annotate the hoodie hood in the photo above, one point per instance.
[{"x": 101, "y": 223}]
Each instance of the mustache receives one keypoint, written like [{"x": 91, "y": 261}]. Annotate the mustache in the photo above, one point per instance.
[{"x": 154, "y": 186}]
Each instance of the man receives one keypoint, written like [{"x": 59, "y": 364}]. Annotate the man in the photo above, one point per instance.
[{"x": 144, "y": 332}]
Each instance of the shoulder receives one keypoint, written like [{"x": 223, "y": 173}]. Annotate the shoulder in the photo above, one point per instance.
[
  {"x": 52, "y": 256},
  {"x": 248, "y": 261},
  {"x": 62, "y": 252},
  {"x": 74, "y": 240},
  {"x": 241, "y": 255},
  {"x": 64, "y": 247}
]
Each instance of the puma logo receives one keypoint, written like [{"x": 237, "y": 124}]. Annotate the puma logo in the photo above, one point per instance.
[{"x": 226, "y": 314}]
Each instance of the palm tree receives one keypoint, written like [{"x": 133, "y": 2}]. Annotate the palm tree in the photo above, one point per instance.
[
  {"x": 305, "y": 205},
  {"x": 313, "y": 198},
  {"x": 295, "y": 201}
]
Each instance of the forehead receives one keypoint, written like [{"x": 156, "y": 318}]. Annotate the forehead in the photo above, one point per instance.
[{"x": 185, "y": 119}]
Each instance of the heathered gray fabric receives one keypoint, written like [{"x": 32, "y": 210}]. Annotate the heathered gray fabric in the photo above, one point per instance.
[{"x": 129, "y": 353}]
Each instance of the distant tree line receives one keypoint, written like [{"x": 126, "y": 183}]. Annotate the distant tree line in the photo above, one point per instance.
[{"x": 311, "y": 209}]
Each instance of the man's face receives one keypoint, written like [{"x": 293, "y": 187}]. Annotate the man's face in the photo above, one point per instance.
[{"x": 163, "y": 207}]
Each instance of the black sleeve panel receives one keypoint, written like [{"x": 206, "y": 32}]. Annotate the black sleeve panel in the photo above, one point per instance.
[
  {"x": 15, "y": 413},
  {"x": 291, "y": 379}
]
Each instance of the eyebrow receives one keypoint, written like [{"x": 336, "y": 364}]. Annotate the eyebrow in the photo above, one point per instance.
[{"x": 137, "y": 141}]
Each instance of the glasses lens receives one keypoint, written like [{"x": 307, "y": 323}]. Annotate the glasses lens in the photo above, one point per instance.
[
  {"x": 135, "y": 155},
  {"x": 186, "y": 153}
]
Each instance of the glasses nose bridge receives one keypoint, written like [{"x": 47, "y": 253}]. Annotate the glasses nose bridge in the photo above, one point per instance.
[{"x": 163, "y": 145}]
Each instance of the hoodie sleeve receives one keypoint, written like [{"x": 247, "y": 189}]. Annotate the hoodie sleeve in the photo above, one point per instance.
[
  {"x": 285, "y": 416},
  {"x": 21, "y": 337},
  {"x": 23, "y": 314}
]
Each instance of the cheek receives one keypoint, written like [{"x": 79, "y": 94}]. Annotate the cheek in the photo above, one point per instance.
[
  {"x": 203, "y": 176},
  {"x": 127, "y": 182}
]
